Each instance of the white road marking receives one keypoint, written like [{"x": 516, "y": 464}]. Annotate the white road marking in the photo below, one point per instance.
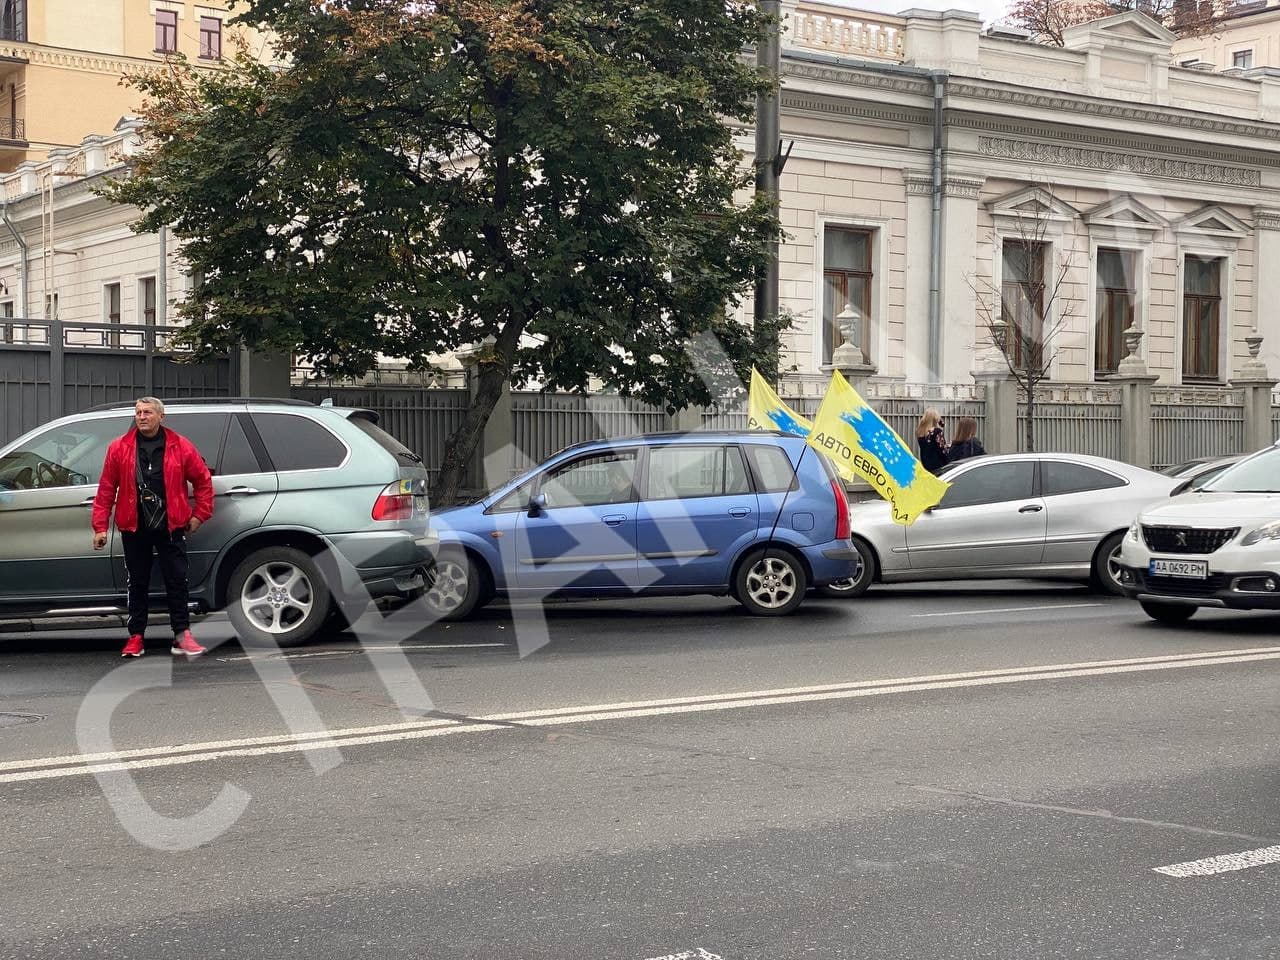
[
  {"x": 695, "y": 954},
  {"x": 1225, "y": 863},
  {"x": 44, "y": 768},
  {"x": 393, "y": 646},
  {"x": 1050, "y": 606}
]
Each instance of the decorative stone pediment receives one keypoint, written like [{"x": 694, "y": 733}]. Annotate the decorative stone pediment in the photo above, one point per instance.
[
  {"x": 1131, "y": 31},
  {"x": 1212, "y": 221},
  {"x": 1125, "y": 214},
  {"x": 1031, "y": 205}
]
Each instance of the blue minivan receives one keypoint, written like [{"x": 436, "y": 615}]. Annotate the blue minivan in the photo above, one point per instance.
[{"x": 755, "y": 515}]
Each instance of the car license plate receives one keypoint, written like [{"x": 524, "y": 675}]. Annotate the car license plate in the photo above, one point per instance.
[{"x": 1191, "y": 569}]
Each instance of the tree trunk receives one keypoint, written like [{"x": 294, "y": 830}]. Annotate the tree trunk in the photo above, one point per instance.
[
  {"x": 1031, "y": 418},
  {"x": 461, "y": 445}
]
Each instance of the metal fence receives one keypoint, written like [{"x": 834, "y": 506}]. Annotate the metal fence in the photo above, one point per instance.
[
  {"x": 49, "y": 369},
  {"x": 1082, "y": 419},
  {"x": 421, "y": 419},
  {"x": 1187, "y": 423},
  {"x": 544, "y": 422}
]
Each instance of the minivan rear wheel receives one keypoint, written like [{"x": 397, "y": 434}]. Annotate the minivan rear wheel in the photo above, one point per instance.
[
  {"x": 277, "y": 596},
  {"x": 770, "y": 583}
]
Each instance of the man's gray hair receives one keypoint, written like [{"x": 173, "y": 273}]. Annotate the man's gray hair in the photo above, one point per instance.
[{"x": 151, "y": 402}]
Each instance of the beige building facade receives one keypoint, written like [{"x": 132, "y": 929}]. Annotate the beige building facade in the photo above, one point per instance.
[
  {"x": 921, "y": 147},
  {"x": 61, "y": 62},
  {"x": 1247, "y": 39}
]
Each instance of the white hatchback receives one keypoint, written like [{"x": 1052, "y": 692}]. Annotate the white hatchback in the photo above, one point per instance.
[{"x": 1219, "y": 547}]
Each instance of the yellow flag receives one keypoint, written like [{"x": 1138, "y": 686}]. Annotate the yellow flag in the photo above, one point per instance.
[
  {"x": 766, "y": 411},
  {"x": 858, "y": 440}
]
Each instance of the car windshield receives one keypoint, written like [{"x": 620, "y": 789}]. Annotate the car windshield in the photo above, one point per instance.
[{"x": 1258, "y": 474}]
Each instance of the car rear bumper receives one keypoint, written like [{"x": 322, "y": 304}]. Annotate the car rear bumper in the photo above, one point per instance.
[
  {"x": 828, "y": 562},
  {"x": 1243, "y": 590},
  {"x": 384, "y": 561}
]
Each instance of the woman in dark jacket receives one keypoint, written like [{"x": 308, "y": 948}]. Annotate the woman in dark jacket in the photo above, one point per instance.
[
  {"x": 965, "y": 443},
  {"x": 931, "y": 440}
]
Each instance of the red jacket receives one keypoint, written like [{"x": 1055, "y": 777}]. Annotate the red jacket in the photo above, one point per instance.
[{"x": 118, "y": 486}]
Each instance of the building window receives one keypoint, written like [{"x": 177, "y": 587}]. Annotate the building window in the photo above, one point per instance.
[
  {"x": 1022, "y": 301},
  {"x": 210, "y": 38},
  {"x": 1242, "y": 58},
  {"x": 1201, "y": 312},
  {"x": 166, "y": 31},
  {"x": 51, "y": 306},
  {"x": 846, "y": 275},
  {"x": 1117, "y": 299},
  {"x": 13, "y": 21},
  {"x": 111, "y": 303},
  {"x": 147, "y": 300}
]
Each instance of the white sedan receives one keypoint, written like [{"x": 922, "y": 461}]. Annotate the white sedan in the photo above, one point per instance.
[
  {"x": 1218, "y": 547},
  {"x": 1058, "y": 516}
]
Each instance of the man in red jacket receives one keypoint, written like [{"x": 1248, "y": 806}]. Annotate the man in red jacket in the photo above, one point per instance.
[{"x": 145, "y": 478}]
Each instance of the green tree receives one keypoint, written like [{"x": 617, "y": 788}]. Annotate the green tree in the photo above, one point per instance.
[{"x": 554, "y": 179}]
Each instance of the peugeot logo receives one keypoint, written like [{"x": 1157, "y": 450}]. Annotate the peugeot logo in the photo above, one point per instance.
[{"x": 1180, "y": 537}]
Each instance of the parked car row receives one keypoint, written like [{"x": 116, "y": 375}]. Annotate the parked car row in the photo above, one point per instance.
[{"x": 316, "y": 504}]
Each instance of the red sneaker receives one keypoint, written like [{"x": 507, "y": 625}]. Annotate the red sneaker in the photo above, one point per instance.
[
  {"x": 184, "y": 645},
  {"x": 133, "y": 648}
]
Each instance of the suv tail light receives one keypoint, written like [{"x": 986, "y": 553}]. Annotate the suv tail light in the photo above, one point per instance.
[
  {"x": 843, "y": 531},
  {"x": 393, "y": 504}
]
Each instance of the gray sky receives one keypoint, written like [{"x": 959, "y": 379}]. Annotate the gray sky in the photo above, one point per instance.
[{"x": 989, "y": 10}]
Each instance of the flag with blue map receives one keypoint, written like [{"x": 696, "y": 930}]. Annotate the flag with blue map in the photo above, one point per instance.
[
  {"x": 859, "y": 442},
  {"x": 766, "y": 411}
]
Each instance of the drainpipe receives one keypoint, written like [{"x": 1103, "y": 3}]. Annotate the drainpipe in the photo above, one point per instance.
[
  {"x": 162, "y": 277},
  {"x": 22, "y": 263},
  {"x": 935, "y": 231}
]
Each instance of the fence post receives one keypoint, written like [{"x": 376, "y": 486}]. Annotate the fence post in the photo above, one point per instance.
[
  {"x": 1256, "y": 384},
  {"x": 1135, "y": 417},
  {"x": 57, "y": 367},
  {"x": 492, "y": 462},
  {"x": 1000, "y": 406}
]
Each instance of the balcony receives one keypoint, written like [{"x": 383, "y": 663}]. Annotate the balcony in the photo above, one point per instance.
[{"x": 13, "y": 130}]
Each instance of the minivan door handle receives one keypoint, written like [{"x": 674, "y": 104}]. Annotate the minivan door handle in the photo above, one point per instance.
[
  {"x": 1031, "y": 508},
  {"x": 614, "y": 519},
  {"x": 242, "y": 491},
  {"x": 739, "y": 511}
]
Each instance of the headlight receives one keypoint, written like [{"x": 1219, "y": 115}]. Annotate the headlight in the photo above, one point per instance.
[
  {"x": 1268, "y": 531},
  {"x": 1135, "y": 532}
]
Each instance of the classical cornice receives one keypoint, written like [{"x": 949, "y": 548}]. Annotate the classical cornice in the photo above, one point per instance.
[
  {"x": 1030, "y": 151},
  {"x": 1119, "y": 110},
  {"x": 1266, "y": 218},
  {"x": 918, "y": 182},
  {"x": 84, "y": 61},
  {"x": 852, "y": 75},
  {"x": 801, "y": 102},
  {"x": 959, "y": 185}
]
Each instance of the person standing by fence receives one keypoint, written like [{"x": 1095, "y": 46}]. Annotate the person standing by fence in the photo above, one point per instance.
[
  {"x": 931, "y": 440},
  {"x": 965, "y": 442},
  {"x": 144, "y": 479}
]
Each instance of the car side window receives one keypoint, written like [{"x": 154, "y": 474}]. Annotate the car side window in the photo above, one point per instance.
[
  {"x": 517, "y": 499},
  {"x": 772, "y": 467},
  {"x": 204, "y": 430},
  {"x": 237, "y": 454},
  {"x": 990, "y": 483},
  {"x": 67, "y": 456},
  {"x": 1058, "y": 477},
  {"x": 298, "y": 443},
  {"x": 682, "y": 471},
  {"x": 592, "y": 481}
]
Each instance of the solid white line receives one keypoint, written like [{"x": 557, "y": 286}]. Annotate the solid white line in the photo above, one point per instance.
[
  {"x": 364, "y": 649},
  {"x": 146, "y": 757},
  {"x": 1223, "y": 864},
  {"x": 1050, "y": 606}
]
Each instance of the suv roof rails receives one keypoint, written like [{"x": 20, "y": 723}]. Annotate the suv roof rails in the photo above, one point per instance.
[{"x": 273, "y": 401}]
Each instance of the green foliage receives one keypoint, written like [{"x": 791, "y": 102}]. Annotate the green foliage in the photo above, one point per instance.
[{"x": 558, "y": 175}]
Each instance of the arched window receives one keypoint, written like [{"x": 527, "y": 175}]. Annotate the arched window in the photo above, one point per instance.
[{"x": 13, "y": 20}]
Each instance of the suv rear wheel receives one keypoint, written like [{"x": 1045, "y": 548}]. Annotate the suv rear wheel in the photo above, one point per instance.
[
  {"x": 277, "y": 596},
  {"x": 770, "y": 583}
]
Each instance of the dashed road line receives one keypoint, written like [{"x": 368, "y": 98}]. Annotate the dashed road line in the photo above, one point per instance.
[{"x": 1226, "y": 863}]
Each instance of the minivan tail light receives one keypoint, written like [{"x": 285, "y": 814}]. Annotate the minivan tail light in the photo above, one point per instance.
[
  {"x": 392, "y": 504},
  {"x": 843, "y": 530}
]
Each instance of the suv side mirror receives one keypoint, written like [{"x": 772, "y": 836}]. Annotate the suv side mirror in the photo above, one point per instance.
[{"x": 537, "y": 504}]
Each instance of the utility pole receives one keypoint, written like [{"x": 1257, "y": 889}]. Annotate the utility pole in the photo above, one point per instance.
[{"x": 768, "y": 158}]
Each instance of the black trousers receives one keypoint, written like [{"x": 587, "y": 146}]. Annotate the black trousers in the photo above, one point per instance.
[{"x": 171, "y": 550}]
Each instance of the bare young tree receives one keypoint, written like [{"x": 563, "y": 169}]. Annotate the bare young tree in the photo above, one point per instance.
[
  {"x": 1023, "y": 318},
  {"x": 1046, "y": 20}
]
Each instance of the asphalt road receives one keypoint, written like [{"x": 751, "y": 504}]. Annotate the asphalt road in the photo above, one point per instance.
[{"x": 976, "y": 771}]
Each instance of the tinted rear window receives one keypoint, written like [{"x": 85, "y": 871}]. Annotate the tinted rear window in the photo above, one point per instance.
[
  {"x": 1059, "y": 477},
  {"x": 204, "y": 430},
  {"x": 298, "y": 443},
  {"x": 385, "y": 440},
  {"x": 772, "y": 468}
]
